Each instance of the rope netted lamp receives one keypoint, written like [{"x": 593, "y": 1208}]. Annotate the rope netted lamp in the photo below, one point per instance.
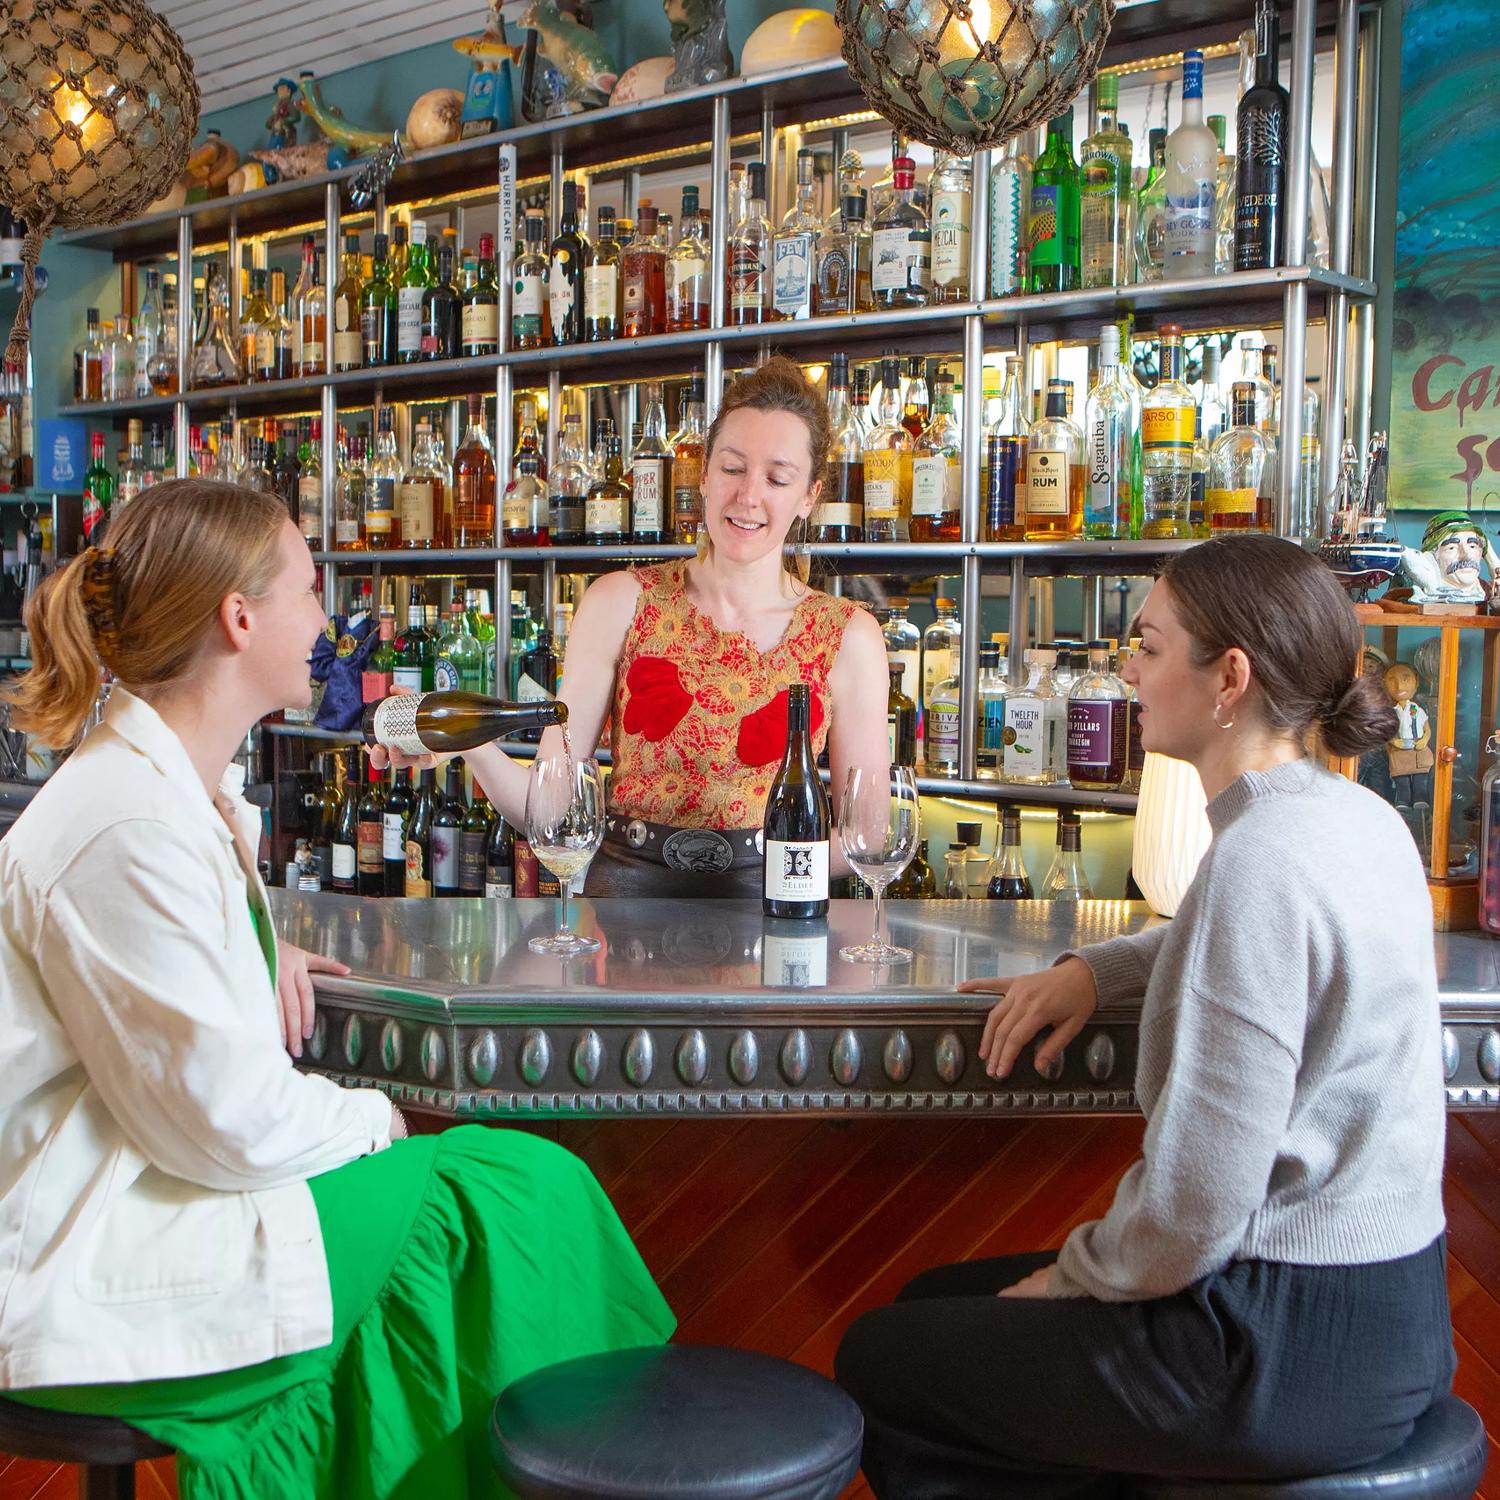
[
  {"x": 98, "y": 108},
  {"x": 963, "y": 75}
]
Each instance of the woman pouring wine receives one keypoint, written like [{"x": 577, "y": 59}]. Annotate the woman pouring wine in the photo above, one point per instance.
[{"x": 692, "y": 662}]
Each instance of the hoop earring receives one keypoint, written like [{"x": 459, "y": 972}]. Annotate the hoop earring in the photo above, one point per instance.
[{"x": 1229, "y": 725}]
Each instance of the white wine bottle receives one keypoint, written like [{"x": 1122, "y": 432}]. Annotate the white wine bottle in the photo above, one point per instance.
[
  {"x": 443, "y": 723},
  {"x": 796, "y": 826}
]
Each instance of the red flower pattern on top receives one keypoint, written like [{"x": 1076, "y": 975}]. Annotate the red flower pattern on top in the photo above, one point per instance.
[{"x": 699, "y": 715}]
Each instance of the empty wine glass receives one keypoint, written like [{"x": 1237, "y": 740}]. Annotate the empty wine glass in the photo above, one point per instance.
[
  {"x": 878, "y": 826},
  {"x": 565, "y": 823}
]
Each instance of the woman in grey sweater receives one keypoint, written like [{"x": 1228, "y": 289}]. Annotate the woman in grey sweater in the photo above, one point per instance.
[{"x": 1266, "y": 1296}]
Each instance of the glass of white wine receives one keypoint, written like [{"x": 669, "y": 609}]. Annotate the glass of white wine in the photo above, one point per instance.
[
  {"x": 565, "y": 824},
  {"x": 879, "y": 822}
]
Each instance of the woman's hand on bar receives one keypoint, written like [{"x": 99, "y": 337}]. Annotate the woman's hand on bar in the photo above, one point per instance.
[
  {"x": 1062, "y": 997},
  {"x": 294, "y": 991}
]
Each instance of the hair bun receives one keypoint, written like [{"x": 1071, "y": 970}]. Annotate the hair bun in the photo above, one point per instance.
[{"x": 1360, "y": 718}]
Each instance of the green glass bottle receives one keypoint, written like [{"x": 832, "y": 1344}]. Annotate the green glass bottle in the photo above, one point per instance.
[{"x": 1054, "y": 211}]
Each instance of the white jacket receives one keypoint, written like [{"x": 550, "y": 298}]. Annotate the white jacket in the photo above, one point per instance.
[{"x": 155, "y": 1139}]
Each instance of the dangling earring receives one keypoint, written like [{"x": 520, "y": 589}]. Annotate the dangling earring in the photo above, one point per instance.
[{"x": 1229, "y": 725}]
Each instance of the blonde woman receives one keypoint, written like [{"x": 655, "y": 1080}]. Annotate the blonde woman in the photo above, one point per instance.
[{"x": 246, "y": 1262}]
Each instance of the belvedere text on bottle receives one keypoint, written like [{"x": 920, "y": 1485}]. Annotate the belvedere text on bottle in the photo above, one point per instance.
[
  {"x": 439, "y": 723},
  {"x": 796, "y": 826}
]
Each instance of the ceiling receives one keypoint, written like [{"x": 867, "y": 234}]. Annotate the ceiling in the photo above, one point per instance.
[{"x": 241, "y": 47}]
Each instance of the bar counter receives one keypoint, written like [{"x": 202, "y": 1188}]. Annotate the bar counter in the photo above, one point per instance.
[{"x": 709, "y": 1009}]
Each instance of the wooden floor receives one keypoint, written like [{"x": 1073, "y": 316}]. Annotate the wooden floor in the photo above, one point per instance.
[{"x": 774, "y": 1234}]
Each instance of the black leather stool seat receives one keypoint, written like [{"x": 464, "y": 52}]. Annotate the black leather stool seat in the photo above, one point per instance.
[
  {"x": 72, "y": 1438},
  {"x": 676, "y": 1423},
  {"x": 1443, "y": 1459}
]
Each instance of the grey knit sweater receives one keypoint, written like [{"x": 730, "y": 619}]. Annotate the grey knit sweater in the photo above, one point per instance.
[{"x": 1289, "y": 1061}]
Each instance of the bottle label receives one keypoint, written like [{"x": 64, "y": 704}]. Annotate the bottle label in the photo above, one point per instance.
[
  {"x": 445, "y": 677},
  {"x": 481, "y": 324},
  {"x": 883, "y": 483},
  {"x": 1170, "y": 428},
  {"x": 525, "y": 308},
  {"x": 1235, "y": 502},
  {"x": 1044, "y": 234},
  {"x": 445, "y": 858},
  {"x": 414, "y": 502},
  {"x": 950, "y": 238},
  {"x": 1024, "y": 738},
  {"x": 646, "y": 486},
  {"x": 797, "y": 871},
  {"x": 348, "y": 350},
  {"x": 409, "y": 320},
  {"x": 1046, "y": 483},
  {"x": 344, "y": 862},
  {"x": 791, "y": 276},
  {"x": 380, "y": 510},
  {"x": 418, "y": 877},
  {"x": 370, "y": 854},
  {"x": 796, "y": 963},
  {"x": 393, "y": 837},
  {"x": 395, "y": 721},
  {"x": 561, "y": 293},
  {"x": 747, "y": 277},
  {"x": 471, "y": 862},
  {"x": 1092, "y": 726},
  {"x": 601, "y": 293},
  {"x": 606, "y": 515},
  {"x": 1009, "y": 230}
]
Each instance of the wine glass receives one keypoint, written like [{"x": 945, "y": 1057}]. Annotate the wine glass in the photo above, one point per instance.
[
  {"x": 565, "y": 823},
  {"x": 878, "y": 822}
]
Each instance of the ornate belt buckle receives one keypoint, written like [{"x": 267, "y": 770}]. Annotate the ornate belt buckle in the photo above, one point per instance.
[{"x": 697, "y": 851}]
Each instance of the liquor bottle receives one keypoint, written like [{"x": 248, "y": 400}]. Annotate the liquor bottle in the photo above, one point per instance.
[
  {"x": 1261, "y": 133},
  {"x": 88, "y": 362},
  {"x": 903, "y": 643},
  {"x": 410, "y": 290},
  {"x": 432, "y": 723},
  {"x": 606, "y": 511},
  {"x": 474, "y": 482},
  {"x": 473, "y": 835},
  {"x": 643, "y": 278},
  {"x": 601, "y": 282},
  {"x": 299, "y": 288},
  {"x": 989, "y": 723},
  {"x": 687, "y": 464},
  {"x": 916, "y": 405},
  {"x": 481, "y": 304},
  {"x": 378, "y": 673},
  {"x": 887, "y": 464},
  {"x": 1106, "y": 195},
  {"x": 377, "y": 309},
  {"x": 310, "y": 484},
  {"x": 1054, "y": 472},
  {"x": 1096, "y": 725},
  {"x": 348, "y": 324},
  {"x": 1067, "y": 880},
  {"x": 1052, "y": 242},
  {"x": 687, "y": 273},
  {"x": 795, "y": 884},
  {"x": 839, "y": 515},
  {"x": 1010, "y": 221},
  {"x": 257, "y": 348},
  {"x": 565, "y": 273},
  {"x": 1008, "y": 878},
  {"x": 1112, "y": 434},
  {"x": 952, "y": 190},
  {"x": 530, "y": 324},
  {"x": 937, "y": 472},
  {"x": 650, "y": 474},
  {"x": 793, "y": 249},
  {"x": 940, "y": 737},
  {"x": 415, "y": 653},
  {"x": 419, "y": 495},
  {"x": 901, "y": 246},
  {"x": 419, "y": 836},
  {"x": 842, "y": 284},
  {"x": 370, "y": 835},
  {"x": 393, "y": 822},
  {"x": 312, "y": 311},
  {"x": 458, "y": 660},
  {"x": 900, "y": 721},
  {"x": 147, "y": 330},
  {"x": 381, "y": 528},
  {"x": 1005, "y": 477},
  {"x": 1033, "y": 724},
  {"x": 215, "y": 359},
  {"x": 1169, "y": 418},
  {"x": 447, "y": 826},
  {"x": 525, "y": 510},
  {"x": 442, "y": 312},
  {"x": 748, "y": 255},
  {"x": 941, "y": 643},
  {"x": 1191, "y": 182},
  {"x": 1242, "y": 467},
  {"x": 98, "y": 490},
  {"x": 1151, "y": 214},
  {"x": 500, "y": 859},
  {"x": 567, "y": 487}
]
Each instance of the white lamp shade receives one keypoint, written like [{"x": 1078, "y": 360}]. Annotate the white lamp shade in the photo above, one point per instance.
[{"x": 1171, "y": 832}]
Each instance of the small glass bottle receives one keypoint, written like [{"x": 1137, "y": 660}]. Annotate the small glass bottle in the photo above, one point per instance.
[
  {"x": 839, "y": 515},
  {"x": 568, "y": 486},
  {"x": 951, "y": 188},
  {"x": 748, "y": 257},
  {"x": 1032, "y": 718},
  {"x": 1054, "y": 472},
  {"x": 688, "y": 271},
  {"x": 793, "y": 249},
  {"x": 989, "y": 722},
  {"x": 643, "y": 276},
  {"x": 937, "y": 473},
  {"x": 1067, "y": 880},
  {"x": 526, "y": 511},
  {"x": 1096, "y": 725},
  {"x": 1008, "y": 878},
  {"x": 687, "y": 464},
  {"x": 1005, "y": 462},
  {"x": 601, "y": 282},
  {"x": 901, "y": 246},
  {"x": 474, "y": 483},
  {"x": 1169, "y": 420}
]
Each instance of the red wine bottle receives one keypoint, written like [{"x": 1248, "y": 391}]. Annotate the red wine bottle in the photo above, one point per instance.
[{"x": 795, "y": 883}]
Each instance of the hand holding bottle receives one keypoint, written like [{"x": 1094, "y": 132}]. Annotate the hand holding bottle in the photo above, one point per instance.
[{"x": 1062, "y": 997}]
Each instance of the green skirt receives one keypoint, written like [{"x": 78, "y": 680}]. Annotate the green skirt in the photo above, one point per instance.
[{"x": 458, "y": 1263}]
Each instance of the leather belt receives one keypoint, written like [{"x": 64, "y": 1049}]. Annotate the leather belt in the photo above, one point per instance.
[{"x": 692, "y": 850}]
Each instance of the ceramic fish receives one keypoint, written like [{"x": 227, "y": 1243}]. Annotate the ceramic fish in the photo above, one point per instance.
[{"x": 576, "y": 52}]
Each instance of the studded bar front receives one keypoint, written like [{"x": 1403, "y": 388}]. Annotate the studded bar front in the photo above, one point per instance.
[{"x": 708, "y": 1008}]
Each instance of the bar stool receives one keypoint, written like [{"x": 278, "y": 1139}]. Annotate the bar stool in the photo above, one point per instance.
[
  {"x": 106, "y": 1450},
  {"x": 1443, "y": 1459},
  {"x": 676, "y": 1423}
]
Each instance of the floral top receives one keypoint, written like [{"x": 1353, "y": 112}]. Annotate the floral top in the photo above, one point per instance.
[{"x": 699, "y": 721}]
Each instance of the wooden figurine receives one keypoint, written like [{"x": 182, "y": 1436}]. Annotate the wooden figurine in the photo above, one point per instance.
[{"x": 1409, "y": 753}]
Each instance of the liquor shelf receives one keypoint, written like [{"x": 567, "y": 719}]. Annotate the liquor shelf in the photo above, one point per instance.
[{"x": 709, "y": 1009}]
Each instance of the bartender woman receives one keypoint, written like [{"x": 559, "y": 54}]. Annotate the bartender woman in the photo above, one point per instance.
[{"x": 691, "y": 662}]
